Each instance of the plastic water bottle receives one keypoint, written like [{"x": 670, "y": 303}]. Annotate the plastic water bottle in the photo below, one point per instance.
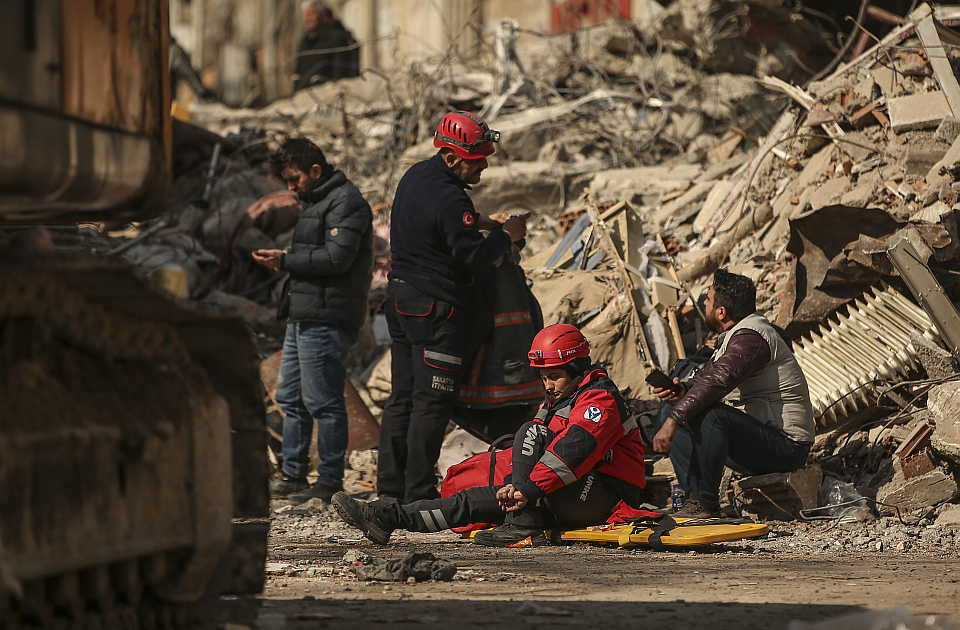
[{"x": 676, "y": 497}]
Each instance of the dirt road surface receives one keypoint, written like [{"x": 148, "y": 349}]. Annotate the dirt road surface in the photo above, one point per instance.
[{"x": 800, "y": 572}]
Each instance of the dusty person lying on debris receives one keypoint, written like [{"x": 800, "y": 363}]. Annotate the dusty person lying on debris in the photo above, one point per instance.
[
  {"x": 572, "y": 464},
  {"x": 748, "y": 409}
]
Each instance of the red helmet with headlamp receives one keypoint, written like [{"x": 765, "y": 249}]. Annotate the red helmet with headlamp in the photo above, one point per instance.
[
  {"x": 467, "y": 135},
  {"x": 557, "y": 344}
]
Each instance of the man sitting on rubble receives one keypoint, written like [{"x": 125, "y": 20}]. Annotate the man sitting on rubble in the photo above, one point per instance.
[
  {"x": 572, "y": 464},
  {"x": 749, "y": 408}
]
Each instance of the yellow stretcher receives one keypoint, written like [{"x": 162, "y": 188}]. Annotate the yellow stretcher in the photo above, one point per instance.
[{"x": 661, "y": 534}]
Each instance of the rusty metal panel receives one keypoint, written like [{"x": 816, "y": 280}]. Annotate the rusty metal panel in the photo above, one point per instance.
[
  {"x": 924, "y": 286},
  {"x": 114, "y": 63}
]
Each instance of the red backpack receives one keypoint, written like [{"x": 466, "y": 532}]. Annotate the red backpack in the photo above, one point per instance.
[{"x": 482, "y": 469}]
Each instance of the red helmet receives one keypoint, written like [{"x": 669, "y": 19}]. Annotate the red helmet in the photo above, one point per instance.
[
  {"x": 466, "y": 134},
  {"x": 557, "y": 344}
]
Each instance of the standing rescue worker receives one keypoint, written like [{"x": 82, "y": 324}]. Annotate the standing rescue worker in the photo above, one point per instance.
[
  {"x": 436, "y": 248},
  {"x": 572, "y": 464}
]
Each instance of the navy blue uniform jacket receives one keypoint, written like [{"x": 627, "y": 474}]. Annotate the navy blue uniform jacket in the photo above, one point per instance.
[{"x": 434, "y": 240}]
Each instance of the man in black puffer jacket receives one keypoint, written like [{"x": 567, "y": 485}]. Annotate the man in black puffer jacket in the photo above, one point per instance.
[{"x": 330, "y": 264}]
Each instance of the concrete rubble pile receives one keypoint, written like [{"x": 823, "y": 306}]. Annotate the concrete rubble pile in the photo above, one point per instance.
[{"x": 650, "y": 155}]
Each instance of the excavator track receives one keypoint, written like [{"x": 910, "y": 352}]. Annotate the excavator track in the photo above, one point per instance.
[{"x": 132, "y": 469}]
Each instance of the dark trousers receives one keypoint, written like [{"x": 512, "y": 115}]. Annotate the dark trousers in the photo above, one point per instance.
[
  {"x": 726, "y": 436},
  {"x": 588, "y": 501},
  {"x": 427, "y": 354}
]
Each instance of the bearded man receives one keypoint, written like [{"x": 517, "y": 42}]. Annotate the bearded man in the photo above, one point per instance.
[{"x": 748, "y": 409}]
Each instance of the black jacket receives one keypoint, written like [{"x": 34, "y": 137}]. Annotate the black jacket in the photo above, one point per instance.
[
  {"x": 315, "y": 65},
  {"x": 331, "y": 258},
  {"x": 434, "y": 240}
]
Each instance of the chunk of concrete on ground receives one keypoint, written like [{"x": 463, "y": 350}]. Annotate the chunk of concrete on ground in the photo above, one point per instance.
[
  {"x": 917, "y": 111},
  {"x": 935, "y": 178},
  {"x": 887, "y": 80},
  {"x": 929, "y": 489},
  {"x": 779, "y": 496},
  {"x": 858, "y": 146},
  {"x": 859, "y": 197},
  {"x": 919, "y": 160},
  {"x": 944, "y": 404},
  {"x": 714, "y": 199},
  {"x": 949, "y": 516},
  {"x": 937, "y": 362}
]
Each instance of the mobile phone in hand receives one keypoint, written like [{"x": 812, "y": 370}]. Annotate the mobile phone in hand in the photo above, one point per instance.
[{"x": 656, "y": 378}]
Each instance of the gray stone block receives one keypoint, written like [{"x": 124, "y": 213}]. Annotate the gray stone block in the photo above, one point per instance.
[
  {"x": 936, "y": 361},
  {"x": 944, "y": 404},
  {"x": 779, "y": 496},
  {"x": 926, "y": 490},
  {"x": 917, "y": 111}
]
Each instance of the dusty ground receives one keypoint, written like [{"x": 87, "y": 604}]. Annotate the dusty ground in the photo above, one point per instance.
[{"x": 801, "y": 571}]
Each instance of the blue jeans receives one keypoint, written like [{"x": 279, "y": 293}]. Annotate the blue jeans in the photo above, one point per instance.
[
  {"x": 310, "y": 387},
  {"x": 726, "y": 436}
]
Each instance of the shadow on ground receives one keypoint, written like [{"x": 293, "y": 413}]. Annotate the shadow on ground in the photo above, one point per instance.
[{"x": 465, "y": 615}]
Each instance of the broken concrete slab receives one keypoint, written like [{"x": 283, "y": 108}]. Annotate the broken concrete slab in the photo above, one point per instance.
[
  {"x": 917, "y": 111},
  {"x": 932, "y": 488},
  {"x": 948, "y": 130},
  {"x": 716, "y": 196},
  {"x": 630, "y": 183},
  {"x": 779, "y": 496},
  {"x": 936, "y": 361},
  {"x": 950, "y": 516},
  {"x": 887, "y": 80},
  {"x": 860, "y": 197},
  {"x": 919, "y": 160},
  {"x": 857, "y": 146},
  {"x": 935, "y": 178},
  {"x": 828, "y": 193},
  {"x": 944, "y": 404},
  {"x": 518, "y": 184}
]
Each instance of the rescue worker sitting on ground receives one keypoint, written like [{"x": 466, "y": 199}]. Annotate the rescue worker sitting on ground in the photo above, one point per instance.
[
  {"x": 572, "y": 464},
  {"x": 748, "y": 409}
]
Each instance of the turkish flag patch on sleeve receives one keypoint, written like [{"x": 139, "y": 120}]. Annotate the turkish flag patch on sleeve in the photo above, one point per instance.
[{"x": 468, "y": 219}]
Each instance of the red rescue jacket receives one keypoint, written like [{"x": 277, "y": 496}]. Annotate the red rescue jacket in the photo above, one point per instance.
[{"x": 594, "y": 430}]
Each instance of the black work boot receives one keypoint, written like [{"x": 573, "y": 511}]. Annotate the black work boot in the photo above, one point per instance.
[
  {"x": 363, "y": 517},
  {"x": 511, "y": 535},
  {"x": 693, "y": 509},
  {"x": 317, "y": 491},
  {"x": 286, "y": 485}
]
